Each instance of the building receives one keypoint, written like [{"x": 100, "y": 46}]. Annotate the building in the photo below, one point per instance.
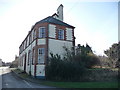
[
  {"x": 0, "y": 62},
  {"x": 46, "y": 36},
  {"x": 15, "y": 62}
]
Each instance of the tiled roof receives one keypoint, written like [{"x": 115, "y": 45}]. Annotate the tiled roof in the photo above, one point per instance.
[{"x": 52, "y": 20}]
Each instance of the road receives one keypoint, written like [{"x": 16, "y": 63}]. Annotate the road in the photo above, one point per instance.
[
  {"x": 8, "y": 80},
  {"x": 0, "y": 78}
]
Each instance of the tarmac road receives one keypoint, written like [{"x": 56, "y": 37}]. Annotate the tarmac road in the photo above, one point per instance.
[{"x": 11, "y": 81}]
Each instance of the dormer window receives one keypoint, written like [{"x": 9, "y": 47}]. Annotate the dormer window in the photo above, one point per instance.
[
  {"x": 42, "y": 32},
  {"x": 60, "y": 34}
]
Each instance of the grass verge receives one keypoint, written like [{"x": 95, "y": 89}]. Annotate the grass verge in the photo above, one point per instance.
[
  {"x": 82, "y": 84},
  {"x": 70, "y": 84},
  {"x": 20, "y": 73}
]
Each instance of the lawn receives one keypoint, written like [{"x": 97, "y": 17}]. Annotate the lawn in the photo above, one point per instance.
[{"x": 82, "y": 84}]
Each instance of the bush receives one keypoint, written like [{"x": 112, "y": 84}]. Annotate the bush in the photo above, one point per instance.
[
  {"x": 91, "y": 60},
  {"x": 59, "y": 69},
  {"x": 72, "y": 67}
]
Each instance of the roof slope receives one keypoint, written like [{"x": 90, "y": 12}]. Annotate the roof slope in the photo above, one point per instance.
[{"x": 52, "y": 20}]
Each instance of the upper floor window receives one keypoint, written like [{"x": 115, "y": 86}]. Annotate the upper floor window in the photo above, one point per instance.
[
  {"x": 26, "y": 43},
  {"x": 42, "y": 32},
  {"x": 41, "y": 55},
  {"x": 30, "y": 38},
  {"x": 34, "y": 34},
  {"x": 60, "y": 34}
]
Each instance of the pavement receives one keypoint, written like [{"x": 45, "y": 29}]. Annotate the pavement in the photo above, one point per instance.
[{"x": 31, "y": 79}]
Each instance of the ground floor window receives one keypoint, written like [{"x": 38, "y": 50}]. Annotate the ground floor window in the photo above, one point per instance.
[
  {"x": 33, "y": 57},
  {"x": 29, "y": 57},
  {"x": 41, "y": 55}
]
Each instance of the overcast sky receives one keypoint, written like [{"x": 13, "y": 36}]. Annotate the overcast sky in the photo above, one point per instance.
[{"x": 96, "y": 22}]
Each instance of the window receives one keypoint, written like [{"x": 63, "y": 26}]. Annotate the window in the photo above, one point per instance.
[
  {"x": 42, "y": 32},
  {"x": 29, "y": 56},
  {"x": 22, "y": 47},
  {"x": 33, "y": 60},
  {"x": 41, "y": 55},
  {"x": 34, "y": 34},
  {"x": 30, "y": 39},
  {"x": 60, "y": 34},
  {"x": 22, "y": 61},
  {"x": 20, "y": 50},
  {"x": 26, "y": 43}
]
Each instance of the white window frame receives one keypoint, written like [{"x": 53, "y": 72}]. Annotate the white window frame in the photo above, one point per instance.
[
  {"x": 42, "y": 32},
  {"x": 41, "y": 55},
  {"x": 61, "y": 34}
]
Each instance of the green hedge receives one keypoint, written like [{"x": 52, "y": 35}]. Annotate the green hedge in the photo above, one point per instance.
[
  {"x": 59, "y": 69},
  {"x": 72, "y": 67}
]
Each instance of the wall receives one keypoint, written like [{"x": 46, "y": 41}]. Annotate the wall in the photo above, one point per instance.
[
  {"x": 69, "y": 34},
  {"x": 40, "y": 71},
  {"x": 0, "y": 62},
  {"x": 56, "y": 46},
  {"x": 22, "y": 56},
  {"x": 52, "y": 31},
  {"x": 41, "y": 41}
]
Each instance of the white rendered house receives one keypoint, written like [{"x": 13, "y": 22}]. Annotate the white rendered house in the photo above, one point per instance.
[
  {"x": 0, "y": 62},
  {"x": 46, "y": 36}
]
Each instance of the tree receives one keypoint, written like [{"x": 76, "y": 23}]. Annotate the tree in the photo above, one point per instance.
[
  {"x": 84, "y": 49},
  {"x": 113, "y": 55}
]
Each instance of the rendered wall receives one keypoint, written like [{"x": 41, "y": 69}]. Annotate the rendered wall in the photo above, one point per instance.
[
  {"x": 52, "y": 30},
  {"x": 69, "y": 34},
  {"x": 41, "y": 41},
  {"x": 56, "y": 46},
  {"x": 40, "y": 71},
  {"x": 30, "y": 47}
]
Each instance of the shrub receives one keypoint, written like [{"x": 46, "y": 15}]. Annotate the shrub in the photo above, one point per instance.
[
  {"x": 72, "y": 67},
  {"x": 59, "y": 69}
]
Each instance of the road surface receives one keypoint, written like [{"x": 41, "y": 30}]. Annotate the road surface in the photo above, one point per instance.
[
  {"x": 8, "y": 80},
  {"x": 0, "y": 78}
]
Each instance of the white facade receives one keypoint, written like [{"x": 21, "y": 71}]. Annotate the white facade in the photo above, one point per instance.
[
  {"x": 25, "y": 52},
  {"x": 56, "y": 46},
  {"x": 40, "y": 70},
  {"x": 52, "y": 30},
  {"x": 0, "y": 62},
  {"x": 42, "y": 41},
  {"x": 69, "y": 34},
  {"x": 50, "y": 37}
]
